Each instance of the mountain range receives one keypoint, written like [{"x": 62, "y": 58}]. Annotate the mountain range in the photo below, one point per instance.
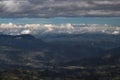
[{"x": 28, "y": 51}]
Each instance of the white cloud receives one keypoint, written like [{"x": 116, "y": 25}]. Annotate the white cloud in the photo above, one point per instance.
[
  {"x": 103, "y": 12},
  {"x": 11, "y": 6},
  {"x": 26, "y": 32},
  {"x": 107, "y": 2},
  {"x": 84, "y": 4},
  {"x": 43, "y": 29}
]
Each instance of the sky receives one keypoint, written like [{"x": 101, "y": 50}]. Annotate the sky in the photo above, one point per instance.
[{"x": 58, "y": 8}]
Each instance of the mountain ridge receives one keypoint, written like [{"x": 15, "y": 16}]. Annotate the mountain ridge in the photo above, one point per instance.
[{"x": 34, "y": 52}]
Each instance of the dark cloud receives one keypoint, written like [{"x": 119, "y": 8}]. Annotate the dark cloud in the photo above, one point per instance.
[{"x": 59, "y": 8}]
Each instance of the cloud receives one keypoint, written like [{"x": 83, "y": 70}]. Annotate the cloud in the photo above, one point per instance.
[
  {"x": 107, "y": 2},
  {"x": 103, "y": 12},
  {"x": 50, "y": 29},
  {"x": 11, "y": 6},
  {"x": 58, "y": 8}
]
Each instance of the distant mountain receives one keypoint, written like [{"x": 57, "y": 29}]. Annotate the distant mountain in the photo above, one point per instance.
[
  {"x": 25, "y": 41},
  {"x": 26, "y": 50},
  {"x": 105, "y": 41}
]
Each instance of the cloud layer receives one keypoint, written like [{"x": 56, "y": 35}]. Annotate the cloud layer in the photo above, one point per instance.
[
  {"x": 50, "y": 29},
  {"x": 59, "y": 8}
]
